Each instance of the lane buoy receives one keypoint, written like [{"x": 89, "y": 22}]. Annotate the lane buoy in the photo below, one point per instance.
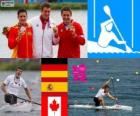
[
  {"x": 117, "y": 80},
  {"x": 136, "y": 72},
  {"x": 97, "y": 61}
]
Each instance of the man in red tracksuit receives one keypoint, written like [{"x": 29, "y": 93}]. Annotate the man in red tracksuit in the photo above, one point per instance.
[
  {"x": 71, "y": 36},
  {"x": 20, "y": 37}
]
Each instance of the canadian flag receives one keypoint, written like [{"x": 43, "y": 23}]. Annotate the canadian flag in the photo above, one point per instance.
[{"x": 54, "y": 106}]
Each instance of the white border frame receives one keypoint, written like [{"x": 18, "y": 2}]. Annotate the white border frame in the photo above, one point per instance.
[{"x": 132, "y": 23}]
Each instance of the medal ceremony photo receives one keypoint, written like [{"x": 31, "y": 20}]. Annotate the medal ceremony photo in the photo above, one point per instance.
[{"x": 69, "y": 58}]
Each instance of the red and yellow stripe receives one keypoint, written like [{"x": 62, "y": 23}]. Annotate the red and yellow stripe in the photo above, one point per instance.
[{"x": 54, "y": 78}]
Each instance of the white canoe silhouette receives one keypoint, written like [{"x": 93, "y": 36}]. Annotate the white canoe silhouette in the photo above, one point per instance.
[{"x": 93, "y": 47}]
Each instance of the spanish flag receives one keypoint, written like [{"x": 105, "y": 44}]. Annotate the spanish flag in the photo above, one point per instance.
[{"x": 54, "y": 87}]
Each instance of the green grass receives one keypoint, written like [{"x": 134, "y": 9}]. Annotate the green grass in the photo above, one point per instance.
[
  {"x": 54, "y": 6},
  {"x": 11, "y": 64}
]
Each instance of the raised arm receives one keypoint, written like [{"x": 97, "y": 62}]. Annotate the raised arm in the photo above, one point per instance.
[
  {"x": 12, "y": 38},
  {"x": 106, "y": 22},
  {"x": 107, "y": 82}
]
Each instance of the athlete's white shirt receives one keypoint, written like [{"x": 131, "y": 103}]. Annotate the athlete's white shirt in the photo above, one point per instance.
[
  {"x": 43, "y": 40},
  {"x": 13, "y": 84},
  {"x": 101, "y": 93}
]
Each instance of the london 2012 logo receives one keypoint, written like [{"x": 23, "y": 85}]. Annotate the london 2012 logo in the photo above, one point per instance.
[{"x": 113, "y": 27}]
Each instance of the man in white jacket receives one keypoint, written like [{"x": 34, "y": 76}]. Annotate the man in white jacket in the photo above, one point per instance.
[{"x": 45, "y": 35}]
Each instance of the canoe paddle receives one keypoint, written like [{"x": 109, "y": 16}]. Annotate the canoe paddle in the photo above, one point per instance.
[
  {"x": 108, "y": 12},
  {"x": 29, "y": 101},
  {"x": 117, "y": 102}
]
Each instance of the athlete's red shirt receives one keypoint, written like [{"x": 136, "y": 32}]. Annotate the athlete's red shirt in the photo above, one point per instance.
[
  {"x": 24, "y": 45},
  {"x": 69, "y": 46}
]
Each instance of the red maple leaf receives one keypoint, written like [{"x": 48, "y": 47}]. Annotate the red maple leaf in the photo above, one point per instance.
[{"x": 54, "y": 106}]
